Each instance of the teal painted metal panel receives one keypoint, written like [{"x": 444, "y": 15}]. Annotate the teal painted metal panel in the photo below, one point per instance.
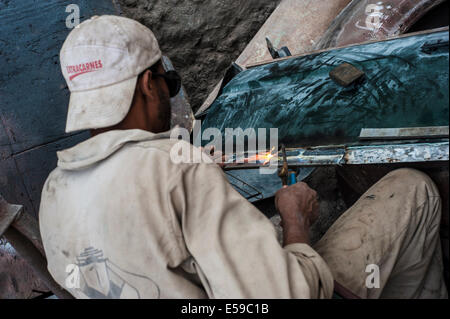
[{"x": 405, "y": 85}]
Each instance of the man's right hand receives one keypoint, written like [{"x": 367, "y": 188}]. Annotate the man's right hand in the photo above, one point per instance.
[{"x": 299, "y": 208}]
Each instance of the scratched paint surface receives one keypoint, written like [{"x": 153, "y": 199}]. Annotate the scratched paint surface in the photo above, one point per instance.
[
  {"x": 405, "y": 85},
  {"x": 33, "y": 93}
]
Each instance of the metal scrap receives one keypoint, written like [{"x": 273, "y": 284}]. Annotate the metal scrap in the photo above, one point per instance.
[
  {"x": 404, "y": 133},
  {"x": 354, "y": 155},
  {"x": 398, "y": 153},
  {"x": 23, "y": 235}
]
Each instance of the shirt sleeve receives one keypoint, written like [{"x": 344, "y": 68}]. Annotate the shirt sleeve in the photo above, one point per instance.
[{"x": 234, "y": 246}]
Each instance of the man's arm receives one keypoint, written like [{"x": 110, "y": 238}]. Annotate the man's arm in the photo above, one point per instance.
[{"x": 235, "y": 247}]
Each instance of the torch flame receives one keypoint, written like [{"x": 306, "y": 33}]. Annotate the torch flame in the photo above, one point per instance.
[
  {"x": 270, "y": 155},
  {"x": 262, "y": 157}
]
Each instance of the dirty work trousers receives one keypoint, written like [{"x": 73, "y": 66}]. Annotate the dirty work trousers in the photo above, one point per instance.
[{"x": 395, "y": 226}]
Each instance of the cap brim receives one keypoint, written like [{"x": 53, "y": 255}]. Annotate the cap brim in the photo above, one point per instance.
[{"x": 99, "y": 108}]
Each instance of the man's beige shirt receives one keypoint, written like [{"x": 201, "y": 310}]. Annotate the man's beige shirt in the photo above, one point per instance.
[{"x": 119, "y": 219}]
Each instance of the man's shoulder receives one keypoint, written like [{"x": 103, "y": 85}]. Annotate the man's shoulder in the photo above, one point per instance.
[{"x": 178, "y": 152}]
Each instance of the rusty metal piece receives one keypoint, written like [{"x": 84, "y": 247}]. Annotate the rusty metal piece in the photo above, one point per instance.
[
  {"x": 29, "y": 227},
  {"x": 346, "y": 74},
  {"x": 17, "y": 279},
  {"x": 23, "y": 235},
  {"x": 296, "y": 24},
  {"x": 306, "y": 26},
  {"x": 13, "y": 215},
  {"x": 367, "y": 20},
  {"x": 249, "y": 66},
  {"x": 35, "y": 259},
  {"x": 8, "y": 214}
]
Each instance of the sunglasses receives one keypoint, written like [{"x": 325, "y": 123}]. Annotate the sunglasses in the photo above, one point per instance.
[{"x": 173, "y": 81}]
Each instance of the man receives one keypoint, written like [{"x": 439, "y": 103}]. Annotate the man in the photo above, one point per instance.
[{"x": 119, "y": 219}]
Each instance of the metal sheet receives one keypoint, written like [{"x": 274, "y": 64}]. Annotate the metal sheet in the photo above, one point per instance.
[
  {"x": 364, "y": 20},
  {"x": 17, "y": 278},
  {"x": 353, "y": 155},
  {"x": 255, "y": 186},
  {"x": 297, "y": 24},
  {"x": 398, "y": 153},
  {"x": 405, "y": 85}
]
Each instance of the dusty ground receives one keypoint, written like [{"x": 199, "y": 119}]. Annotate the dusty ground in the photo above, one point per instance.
[{"x": 201, "y": 37}]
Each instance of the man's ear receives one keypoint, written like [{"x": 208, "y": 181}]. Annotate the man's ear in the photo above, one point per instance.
[{"x": 145, "y": 83}]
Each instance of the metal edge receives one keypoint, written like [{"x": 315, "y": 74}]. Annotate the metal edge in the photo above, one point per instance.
[
  {"x": 356, "y": 155},
  {"x": 249, "y": 66}
]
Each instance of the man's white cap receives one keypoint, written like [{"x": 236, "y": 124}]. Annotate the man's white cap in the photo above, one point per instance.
[{"x": 101, "y": 60}]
